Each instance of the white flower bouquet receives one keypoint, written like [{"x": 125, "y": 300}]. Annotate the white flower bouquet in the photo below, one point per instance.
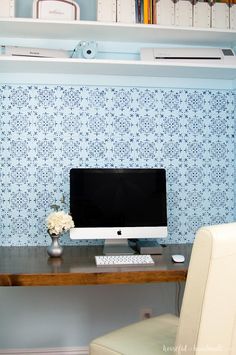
[{"x": 58, "y": 222}]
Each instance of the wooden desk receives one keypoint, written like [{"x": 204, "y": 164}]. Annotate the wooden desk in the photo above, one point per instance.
[{"x": 31, "y": 266}]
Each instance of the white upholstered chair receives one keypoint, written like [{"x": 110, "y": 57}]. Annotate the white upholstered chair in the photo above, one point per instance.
[{"x": 207, "y": 323}]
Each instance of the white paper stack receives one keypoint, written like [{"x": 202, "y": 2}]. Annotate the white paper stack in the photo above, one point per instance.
[
  {"x": 184, "y": 13},
  {"x": 106, "y": 10},
  {"x": 126, "y": 11},
  {"x": 202, "y": 15},
  {"x": 220, "y": 16},
  {"x": 165, "y": 12}
]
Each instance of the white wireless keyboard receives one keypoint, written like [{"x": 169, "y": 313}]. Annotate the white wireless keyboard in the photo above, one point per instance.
[{"x": 123, "y": 260}]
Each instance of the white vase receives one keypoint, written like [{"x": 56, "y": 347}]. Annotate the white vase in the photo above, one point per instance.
[{"x": 55, "y": 249}]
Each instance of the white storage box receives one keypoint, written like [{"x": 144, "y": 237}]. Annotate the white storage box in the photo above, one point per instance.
[
  {"x": 106, "y": 10},
  {"x": 7, "y": 8},
  {"x": 165, "y": 12},
  {"x": 56, "y": 10},
  {"x": 126, "y": 11},
  {"x": 202, "y": 15},
  {"x": 232, "y": 17},
  {"x": 220, "y": 16},
  {"x": 184, "y": 13}
]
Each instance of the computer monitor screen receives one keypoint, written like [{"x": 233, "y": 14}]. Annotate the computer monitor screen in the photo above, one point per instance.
[{"x": 118, "y": 203}]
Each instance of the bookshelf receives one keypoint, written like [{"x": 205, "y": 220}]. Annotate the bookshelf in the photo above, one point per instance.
[{"x": 98, "y": 31}]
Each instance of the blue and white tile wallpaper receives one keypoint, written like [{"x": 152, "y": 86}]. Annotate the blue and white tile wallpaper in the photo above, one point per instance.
[{"x": 46, "y": 130}]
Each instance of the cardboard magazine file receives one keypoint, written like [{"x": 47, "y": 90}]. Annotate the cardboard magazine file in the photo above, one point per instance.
[
  {"x": 232, "y": 16},
  {"x": 165, "y": 12},
  {"x": 184, "y": 13},
  {"x": 220, "y": 15},
  {"x": 7, "y": 8},
  {"x": 126, "y": 11},
  {"x": 106, "y": 10},
  {"x": 202, "y": 14}
]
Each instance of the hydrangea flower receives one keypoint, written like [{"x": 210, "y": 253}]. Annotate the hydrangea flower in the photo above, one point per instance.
[{"x": 58, "y": 222}]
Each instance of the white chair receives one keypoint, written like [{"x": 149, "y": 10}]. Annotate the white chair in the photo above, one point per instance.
[{"x": 207, "y": 323}]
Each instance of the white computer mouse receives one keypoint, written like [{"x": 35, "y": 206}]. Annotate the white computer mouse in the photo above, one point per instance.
[{"x": 177, "y": 258}]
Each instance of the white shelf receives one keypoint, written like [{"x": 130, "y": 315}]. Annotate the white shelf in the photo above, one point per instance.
[
  {"x": 112, "y": 32},
  {"x": 114, "y": 67},
  {"x": 93, "y": 30}
]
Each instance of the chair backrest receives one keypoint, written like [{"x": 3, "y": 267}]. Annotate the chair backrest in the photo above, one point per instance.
[{"x": 208, "y": 314}]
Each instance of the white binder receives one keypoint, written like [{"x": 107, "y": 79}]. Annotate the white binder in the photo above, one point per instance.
[
  {"x": 106, "y": 10},
  {"x": 232, "y": 16},
  {"x": 202, "y": 15},
  {"x": 7, "y": 8},
  {"x": 126, "y": 11},
  {"x": 183, "y": 13},
  {"x": 220, "y": 16},
  {"x": 165, "y": 12}
]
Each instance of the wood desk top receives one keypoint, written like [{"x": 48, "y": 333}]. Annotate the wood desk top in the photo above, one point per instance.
[{"x": 31, "y": 266}]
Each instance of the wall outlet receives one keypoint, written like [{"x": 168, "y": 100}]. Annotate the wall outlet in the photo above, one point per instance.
[{"x": 145, "y": 313}]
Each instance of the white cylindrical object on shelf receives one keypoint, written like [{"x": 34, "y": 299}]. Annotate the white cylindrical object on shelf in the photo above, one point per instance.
[
  {"x": 220, "y": 15},
  {"x": 202, "y": 15},
  {"x": 184, "y": 13},
  {"x": 106, "y": 10},
  {"x": 232, "y": 17},
  {"x": 165, "y": 12}
]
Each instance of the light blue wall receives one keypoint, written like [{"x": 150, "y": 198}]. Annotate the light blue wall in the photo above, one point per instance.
[{"x": 46, "y": 130}]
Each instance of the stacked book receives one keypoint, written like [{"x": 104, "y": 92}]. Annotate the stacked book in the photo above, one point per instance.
[{"x": 145, "y": 11}]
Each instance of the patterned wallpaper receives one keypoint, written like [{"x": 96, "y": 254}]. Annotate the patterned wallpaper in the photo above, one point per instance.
[{"x": 46, "y": 130}]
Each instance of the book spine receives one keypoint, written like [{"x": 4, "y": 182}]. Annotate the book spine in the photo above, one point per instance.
[
  {"x": 138, "y": 11},
  {"x": 150, "y": 12},
  {"x": 142, "y": 11},
  {"x": 145, "y": 11},
  {"x": 154, "y": 14}
]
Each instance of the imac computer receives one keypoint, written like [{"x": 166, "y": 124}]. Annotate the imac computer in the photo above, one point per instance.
[{"x": 117, "y": 205}]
